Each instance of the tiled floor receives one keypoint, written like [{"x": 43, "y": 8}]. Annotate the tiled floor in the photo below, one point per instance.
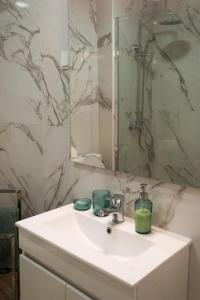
[{"x": 5, "y": 287}]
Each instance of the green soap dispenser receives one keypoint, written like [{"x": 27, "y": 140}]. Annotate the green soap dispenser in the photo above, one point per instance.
[{"x": 143, "y": 212}]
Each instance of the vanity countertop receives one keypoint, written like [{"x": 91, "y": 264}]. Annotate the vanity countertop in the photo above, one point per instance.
[{"x": 123, "y": 255}]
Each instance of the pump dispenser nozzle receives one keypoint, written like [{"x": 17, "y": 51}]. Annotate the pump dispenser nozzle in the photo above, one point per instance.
[{"x": 143, "y": 193}]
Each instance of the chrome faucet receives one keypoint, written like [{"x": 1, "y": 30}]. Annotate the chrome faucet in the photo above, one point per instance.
[{"x": 116, "y": 209}]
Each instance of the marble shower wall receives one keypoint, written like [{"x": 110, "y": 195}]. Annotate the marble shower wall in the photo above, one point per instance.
[{"x": 168, "y": 146}]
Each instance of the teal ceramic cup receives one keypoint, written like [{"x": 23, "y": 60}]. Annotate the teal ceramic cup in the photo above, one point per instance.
[{"x": 101, "y": 199}]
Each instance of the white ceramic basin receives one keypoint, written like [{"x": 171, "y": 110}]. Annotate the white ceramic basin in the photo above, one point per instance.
[
  {"x": 123, "y": 254},
  {"x": 92, "y": 231}
]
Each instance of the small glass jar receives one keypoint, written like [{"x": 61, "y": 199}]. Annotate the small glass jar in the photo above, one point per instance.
[{"x": 82, "y": 204}]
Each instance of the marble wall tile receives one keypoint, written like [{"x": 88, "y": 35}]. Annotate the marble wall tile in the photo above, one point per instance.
[
  {"x": 105, "y": 79},
  {"x": 84, "y": 74},
  {"x": 21, "y": 68},
  {"x": 34, "y": 99},
  {"x": 91, "y": 77},
  {"x": 55, "y": 160},
  {"x": 85, "y": 127},
  {"x": 35, "y": 135},
  {"x": 122, "y": 8},
  {"x": 19, "y": 144},
  {"x": 55, "y": 85}
]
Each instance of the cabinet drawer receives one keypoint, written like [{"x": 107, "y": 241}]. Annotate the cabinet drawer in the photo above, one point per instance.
[
  {"x": 37, "y": 283},
  {"x": 74, "y": 294}
]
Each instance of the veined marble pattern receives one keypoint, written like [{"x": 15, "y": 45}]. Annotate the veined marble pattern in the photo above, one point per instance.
[
  {"x": 35, "y": 141},
  {"x": 122, "y": 8},
  {"x": 105, "y": 79},
  {"x": 167, "y": 146},
  {"x": 34, "y": 101},
  {"x": 90, "y": 58},
  {"x": 84, "y": 76}
]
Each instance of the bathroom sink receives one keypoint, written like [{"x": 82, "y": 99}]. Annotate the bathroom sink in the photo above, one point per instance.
[
  {"x": 124, "y": 255},
  {"x": 91, "y": 231}
]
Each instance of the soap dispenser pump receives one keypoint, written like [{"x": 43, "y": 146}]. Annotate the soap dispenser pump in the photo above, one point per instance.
[{"x": 143, "y": 212}]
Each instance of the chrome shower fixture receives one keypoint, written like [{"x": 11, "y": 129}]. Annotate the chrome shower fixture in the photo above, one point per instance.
[{"x": 172, "y": 19}]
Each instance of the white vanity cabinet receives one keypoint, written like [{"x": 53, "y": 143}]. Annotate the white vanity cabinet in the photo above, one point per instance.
[
  {"x": 74, "y": 294},
  {"x": 68, "y": 255},
  {"x": 37, "y": 283}
]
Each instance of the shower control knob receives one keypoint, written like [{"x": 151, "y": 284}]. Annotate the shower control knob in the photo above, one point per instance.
[{"x": 139, "y": 124}]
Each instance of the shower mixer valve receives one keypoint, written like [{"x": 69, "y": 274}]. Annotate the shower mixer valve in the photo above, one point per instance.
[
  {"x": 139, "y": 52},
  {"x": 139, "y": 124}
]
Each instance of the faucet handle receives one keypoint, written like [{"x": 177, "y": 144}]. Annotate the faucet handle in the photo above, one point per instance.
[
  {"x": 103, "y": 212},
  {"x": 117, "y": 201}
]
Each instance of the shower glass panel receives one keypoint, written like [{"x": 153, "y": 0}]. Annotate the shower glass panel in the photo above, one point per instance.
[
  {"x": 158, "y": 103},
  {"x": 134, "y": 121}
]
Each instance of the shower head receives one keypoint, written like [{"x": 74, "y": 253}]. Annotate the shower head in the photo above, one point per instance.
[{"x": 173, "y": 19}]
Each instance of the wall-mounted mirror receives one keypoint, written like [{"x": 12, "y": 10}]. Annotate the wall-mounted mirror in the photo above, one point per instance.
[{"x": 134, "y": 87}]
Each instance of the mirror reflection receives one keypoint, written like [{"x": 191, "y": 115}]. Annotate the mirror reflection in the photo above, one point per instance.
[
  {"x": 135, "y": 89},
  {"x": 90, "y": 38}
]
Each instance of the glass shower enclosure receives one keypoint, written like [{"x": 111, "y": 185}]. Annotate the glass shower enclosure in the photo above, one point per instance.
[{"x": 157, "y": 101}]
